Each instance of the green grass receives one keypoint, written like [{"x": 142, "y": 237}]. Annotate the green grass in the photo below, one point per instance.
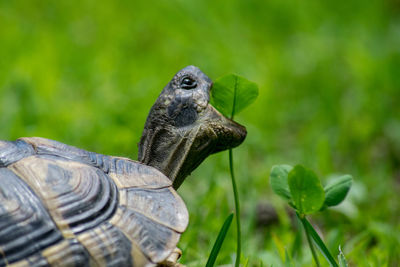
[{"x": 86, "y": 73}]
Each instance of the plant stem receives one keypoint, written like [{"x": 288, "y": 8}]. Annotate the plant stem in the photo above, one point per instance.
[
  {"x": 235, "y": 192},
  {"x": 310, "y": 243},
  {"x": 237, "y": 210}
]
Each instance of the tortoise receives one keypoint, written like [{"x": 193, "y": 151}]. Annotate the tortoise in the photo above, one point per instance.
[{"x": 65, "y": 206}]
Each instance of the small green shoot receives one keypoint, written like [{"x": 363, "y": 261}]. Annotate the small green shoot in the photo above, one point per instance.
[
  {"x": 218, "y": 242},
  {"x": 304, "y": 192},
  {"x": 230, "y": 95},
  {"x": 342, "y": 259}
]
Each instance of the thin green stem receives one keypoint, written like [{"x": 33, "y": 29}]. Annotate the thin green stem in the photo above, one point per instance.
[
  {"x": 237, "y": 209},
  {"x": 314, "y": 253},
  {"x": 235, "y": 191}
]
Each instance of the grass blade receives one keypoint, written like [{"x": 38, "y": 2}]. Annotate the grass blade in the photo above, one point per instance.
[
  {"x": 218, "y": 242},
  {"x": 318, "y": 242},
  {"x": 342, "y": 259},
  {"x": 309, "y": 241}
]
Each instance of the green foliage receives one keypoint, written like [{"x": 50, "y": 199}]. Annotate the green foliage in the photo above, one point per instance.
[
  {"x": 232, "y": 93},
  {"x": 307, "y": 196},
  {"x": 302, "y": 188},
  {"x": 218, "y": 242},
  {"x": 336, "y": 191},
  {"x": 305, "y": 189},
  {"x": 279, "y": 180}
]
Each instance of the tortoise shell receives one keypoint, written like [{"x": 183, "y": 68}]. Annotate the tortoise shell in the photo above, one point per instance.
[{"x": 60, "y": 205}]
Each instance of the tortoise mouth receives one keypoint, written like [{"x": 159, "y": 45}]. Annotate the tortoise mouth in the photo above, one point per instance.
[{"x": 229, "y": 133}]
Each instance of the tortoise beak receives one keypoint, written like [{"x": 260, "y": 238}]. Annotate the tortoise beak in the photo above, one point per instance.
[{"x": 229, "y": 133}]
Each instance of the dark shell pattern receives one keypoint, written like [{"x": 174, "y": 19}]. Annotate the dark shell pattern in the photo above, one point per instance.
[{"x": 64, "y": 206}]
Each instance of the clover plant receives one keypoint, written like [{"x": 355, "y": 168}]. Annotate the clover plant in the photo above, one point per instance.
[
  {"x": 305, "y": 194},
  {"x": 230, "y": 95}
]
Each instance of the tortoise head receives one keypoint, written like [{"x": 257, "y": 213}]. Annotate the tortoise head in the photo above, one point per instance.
[{"x": 183, "y": 128}]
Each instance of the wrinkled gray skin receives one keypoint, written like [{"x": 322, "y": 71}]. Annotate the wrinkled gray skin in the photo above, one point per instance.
[{"x": 183, "y": 128}]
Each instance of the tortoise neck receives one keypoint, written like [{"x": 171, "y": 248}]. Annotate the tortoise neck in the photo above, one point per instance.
[
  {"x": 166, "y": 152},
  {"x": 175, "y": 153}
]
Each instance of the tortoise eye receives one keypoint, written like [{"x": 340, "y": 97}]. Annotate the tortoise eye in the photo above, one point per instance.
[{"x": 188, "y": 83}]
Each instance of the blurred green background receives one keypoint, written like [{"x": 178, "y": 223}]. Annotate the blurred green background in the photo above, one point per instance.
[{"x": 87, "y": 72}]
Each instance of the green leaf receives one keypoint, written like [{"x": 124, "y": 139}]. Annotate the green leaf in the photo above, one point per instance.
[
  {"x": 336, "y": 191},
  {"x": 230, "y": 94},
  {"x": 342, "y": 259},
  {"x": 279, "y": 180},
  {"x": 318, "y": 241},
  {"x": 306, "y": 190},
  {"x": 218, "y": 242}
]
